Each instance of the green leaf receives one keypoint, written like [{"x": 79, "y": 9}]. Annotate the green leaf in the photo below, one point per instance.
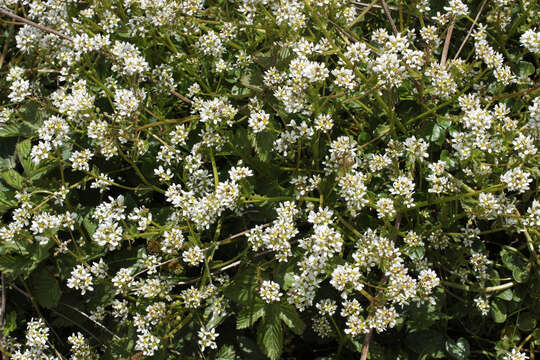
[
  {"x": 14, "y": 130},
  {"x": 89, "y": 224},
  {"x": 22, "y": 150},
  {"x": 520, "y": 275},
  {"x": 226, "y": 353},
  {"x": 263, "y": 143},
  {"x": 422, "y": 317},
  {"x": 506, "y": 295},
  {"x": 42, "y": 170},
  {"x": 15, "y": 265},
  {"x": 536, "y": 336},
  {"x": 416, "y": 252},
  {"x": 446, "y": 157},
  {"x": 216, "y": 317},
  {"x": 498, "y": 311},
  {"x": 525, "y": 68},
  {"x": 7, "y": 163},
  {"x": 516, "y": 263},
  {"x": 526, "y": 321},
  {"x": 459, "y": 349},
  {"x": 39, "y": 252},
  {"x": 8, "y": 264},
  {"x": 427, "y": 343},
  {"x": 13, "y": 179},
  {"x": 292, "y": 319},
  {"x": 248, "y": 349},
  {"x": 243, "y": 289},
  {"x": 249, "y": 315},
  {"x": 46, "y": 289},
  {"x": 270, "y": 333},
  {"x": 437, "y": 134},
  {"x": 512, "y": 260},
  {"x": 7, "y": 201},
  {"x": 284, "y": 274},
  {"x": 10, "y": 323}
]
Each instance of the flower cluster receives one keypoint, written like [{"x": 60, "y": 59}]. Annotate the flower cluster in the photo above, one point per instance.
[{"x": 194, "y": 168}]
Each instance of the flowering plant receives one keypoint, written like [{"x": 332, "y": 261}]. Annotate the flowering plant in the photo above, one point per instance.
[{"x": 257, "y": 179}]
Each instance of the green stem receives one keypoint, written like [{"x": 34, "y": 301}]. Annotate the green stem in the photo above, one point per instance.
[
  {"x": 456, "y": 197},
  {"x": 479, "y": 290},
  {"x": 214, "y": 169},
  {"x": 257, "y": 199},
  {"x": 139, "y": 173}
]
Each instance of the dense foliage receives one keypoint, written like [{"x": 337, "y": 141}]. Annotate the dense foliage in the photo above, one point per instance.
[{"x": 252, "y": 179}]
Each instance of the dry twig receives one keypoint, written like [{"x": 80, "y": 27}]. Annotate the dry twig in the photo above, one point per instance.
[
  {"x": 447, "y": 41},
  {"x": 470, "y": 29},
  {"x": 389, "y": 16}
]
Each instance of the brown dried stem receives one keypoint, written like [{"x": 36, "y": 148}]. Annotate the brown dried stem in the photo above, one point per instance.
[
  {"x": 447, "y": 41},
  {"x": 36, "y": 25},
  {"x": 365, "y": 345},
  {"x": 389, "y": 16},
  {"x": 363, "y": 13},
  {"x": 470, "y": 29}
]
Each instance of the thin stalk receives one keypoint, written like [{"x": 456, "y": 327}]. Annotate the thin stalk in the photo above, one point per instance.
[
  {"x": 447, "y": 41},
  {"x": 479, "y": 290},
  {"x": 457, "y": 197},
  {"x": 389, "y": 16}
]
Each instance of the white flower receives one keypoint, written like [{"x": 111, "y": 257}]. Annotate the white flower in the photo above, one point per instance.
[
  {"x": 269, "y": 291},
  {"x": 355, "y": 326},
  {"x": 80, "y": 159},
  {"x": 193, "y": 256},
  {"x": 36, "y": 335},
  {"x": 322, "y": 326},
  {"x": 516, "y": 355},
  {"x": 147, "y": 343},
  {"x": 125, "y": 102},
  {"x": 211, "y": 44},
  {"x": 531, "y": 40},
  {"x": 206, "y": 338},
  {"x": 417, "y": 148},
  {"x": 390, "y": 69},
  {"x": 385, "y": 208},
  {"x": 524, "y": 145},
  {"x": 132, "y": 62},
  {"x": 123, "y": 280},
  {"x": 517, "y": 180},
  {"x": 344, "y": 78},
  {"x": 238, "y": 173},
  {"x": 428, "y": 280},
  {"x": 258, "y": 121},
  {"x": 326, "y": 307},
  {"x": 533, "y": 214},
  {"x": 456, "y": 8},
  {"x": 40, "y": 151},
  {"x": 403, "y": 186},
  {"x": 79, "y": 346},
  {"x": 20, "y": 90},
  {"x": 483, "y": 305},
  {"x": 172, "y": 241},
  {"x": 81, "y": 279},
  {"x": 324, "y": 123},
  {"x": 108, "y": 235},
  {"x": 120, "y": 309}
]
